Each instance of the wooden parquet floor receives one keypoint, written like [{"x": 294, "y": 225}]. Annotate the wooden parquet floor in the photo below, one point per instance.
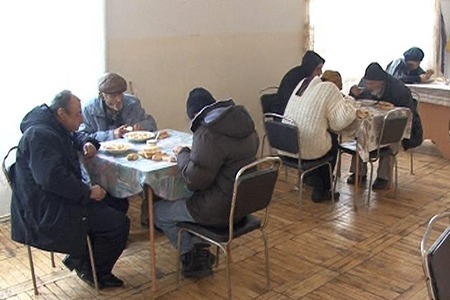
[{"x": 328, "y": 252}]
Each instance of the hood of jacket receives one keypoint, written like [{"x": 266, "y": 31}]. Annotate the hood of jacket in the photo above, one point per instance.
[
  {"x": 225, "y": 118},
  {"x": 41, "y": 115}
]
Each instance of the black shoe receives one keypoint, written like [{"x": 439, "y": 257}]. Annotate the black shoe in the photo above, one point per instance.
[
  {"x": 352, "y": 177},
  {"x": 197, "y": 263},
  {"x": 319, "y": 197},
  {"x": 380, "y": 184},
  {"x": 110, "y": 280},
  {"x": 75, "y": 263},
  {"x": 87, "y": 278}
]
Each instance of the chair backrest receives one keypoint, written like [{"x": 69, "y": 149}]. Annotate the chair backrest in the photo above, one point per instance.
[
  {"x": 436, "y": 260},
  {"x": 8, "y": 164},
  {"x": 269, "y": 100},
  {"x": 394, "y": 126},
  {"x": 282, "y": 133},
  {"x": 253, "y": 187}
]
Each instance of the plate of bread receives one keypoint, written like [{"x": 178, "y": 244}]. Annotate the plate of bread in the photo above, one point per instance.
[
  {"x": 384, "y": 105},
  {"x": 367, "y": 102},
  {"x": 138, "y": 136},
  {"x": 115, "y": 147}
]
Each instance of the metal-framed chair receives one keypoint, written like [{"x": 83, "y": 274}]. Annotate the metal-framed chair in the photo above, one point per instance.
[
  {"x": 8, "y": 165},
  {"x": 252, "y": 192},
  {"x": 436, "y": 259},
  {"x": 269, "y": 99},
  {"x": 283, "y": 137},
  {"x": 388, "y": 143}
]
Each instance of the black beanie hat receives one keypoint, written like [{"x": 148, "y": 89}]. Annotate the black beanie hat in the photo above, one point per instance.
[
  {"x": 413, "y": 54},
  {"x": 197, "y": 99},
  {"x": 375, "y": 72}
]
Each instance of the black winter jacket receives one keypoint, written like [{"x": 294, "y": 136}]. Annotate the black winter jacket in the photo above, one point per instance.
[
  {"x": 50, "y": 202},
  {"x": 224, "y": 141}
]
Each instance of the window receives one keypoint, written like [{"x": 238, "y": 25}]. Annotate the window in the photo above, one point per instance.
[
  {"x": 350, "y": 34},
  {"x": 47, "y": 46}
]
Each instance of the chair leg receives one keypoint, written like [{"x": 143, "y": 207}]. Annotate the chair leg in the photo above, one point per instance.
[
  {"x": 396, "y": 177},
  {"x": 52, "y": 258},
  {"x": 266, "y": 256},
  {"x": 330, "y": 171},
  {"x": 370, "y": 183},
  {"x": 33, "y": 275},
  {"x": 411, "y": 154},
  {"x": 338, "y": 165},
  {"x": 91, "y": 258},
  {"x": 227, "y": 260},
  {"x": 300, "y": 193},
  {"x": 179, "y": 257}
]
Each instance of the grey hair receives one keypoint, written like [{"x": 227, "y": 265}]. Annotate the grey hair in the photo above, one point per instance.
[{"x": 61, "y": 100}]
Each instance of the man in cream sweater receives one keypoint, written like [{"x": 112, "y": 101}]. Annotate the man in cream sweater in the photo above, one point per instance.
[{"x": 317, "y": 109}]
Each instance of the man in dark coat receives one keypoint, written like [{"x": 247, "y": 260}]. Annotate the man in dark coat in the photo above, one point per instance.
[
  {"x": 311, "y": 66},
  {"x": 224, "y": 141},
  {"x": 408, "y": 69},
  {"x": 378, "y": 85},
  {"x": 52, "y": 208}
]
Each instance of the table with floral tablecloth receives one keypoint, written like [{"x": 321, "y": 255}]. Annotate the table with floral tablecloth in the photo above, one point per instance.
[
  {"x": 123, "y": 178},
  {"x": 367, "y": 130}
]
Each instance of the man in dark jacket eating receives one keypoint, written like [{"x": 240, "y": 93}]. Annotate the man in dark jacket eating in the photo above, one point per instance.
[
  {"x": 52, "y": 208},
  {"x": 224, "y": 141}
]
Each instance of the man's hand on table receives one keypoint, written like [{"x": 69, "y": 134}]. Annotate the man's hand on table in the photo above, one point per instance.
[
  {"x": 97, "y": 193},
  {"x": 120, "y": 131},
  {"x": 89, "y": 150},
  {"x": 178, "y": 149}
]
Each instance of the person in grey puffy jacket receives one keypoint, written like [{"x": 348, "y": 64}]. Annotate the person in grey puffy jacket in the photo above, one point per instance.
[{"x": 224, "y": 141}]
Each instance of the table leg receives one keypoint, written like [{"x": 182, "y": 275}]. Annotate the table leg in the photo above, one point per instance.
[
  {"x": 356, "y": 188},
  {"x": 151, "y": 233}
]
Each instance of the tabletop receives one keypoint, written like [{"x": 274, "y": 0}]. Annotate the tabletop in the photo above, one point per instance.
[
  {"x": 124, "y": 178},
  {"x": 367, "y": 130}
]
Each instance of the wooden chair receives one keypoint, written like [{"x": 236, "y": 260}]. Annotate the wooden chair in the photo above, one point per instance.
[
  {"x": 436, "y": 260},
  {"x": 283, "y": 136},
  {"x": 253, "y": 188},
  {"x": 391, "y": 134},
  {"x": 8, "y": 165}
]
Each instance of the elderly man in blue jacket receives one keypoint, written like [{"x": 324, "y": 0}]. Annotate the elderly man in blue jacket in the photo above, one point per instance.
[{"x": 108, "y": 116}]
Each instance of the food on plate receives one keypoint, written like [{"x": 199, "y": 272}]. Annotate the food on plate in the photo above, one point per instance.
[
  {"x": 116, "y": 147},
  {"x": 163, "y": 134},
  {"x": 169, "y": 158},
  {"x": 361, "y": 114},
  {"x": 149, "y": 151},
  {"x": 157, "y": 156},
  {"x": 132, "y": 156},
  {"x": 384, "y": 105},
  {"x": 138, "y": 136}
]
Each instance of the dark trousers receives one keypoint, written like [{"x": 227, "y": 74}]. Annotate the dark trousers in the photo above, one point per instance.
[
  {"x": 108, "y": 229},
  {"x": 320, "y": 177},
  {"x": 121, "y": 204}
]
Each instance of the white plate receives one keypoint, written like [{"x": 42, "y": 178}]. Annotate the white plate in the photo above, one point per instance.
[
  {"x": 367, "y": 102},
  {"x": 138, "y": 136},
  {"x": 115, "y": 147}
]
